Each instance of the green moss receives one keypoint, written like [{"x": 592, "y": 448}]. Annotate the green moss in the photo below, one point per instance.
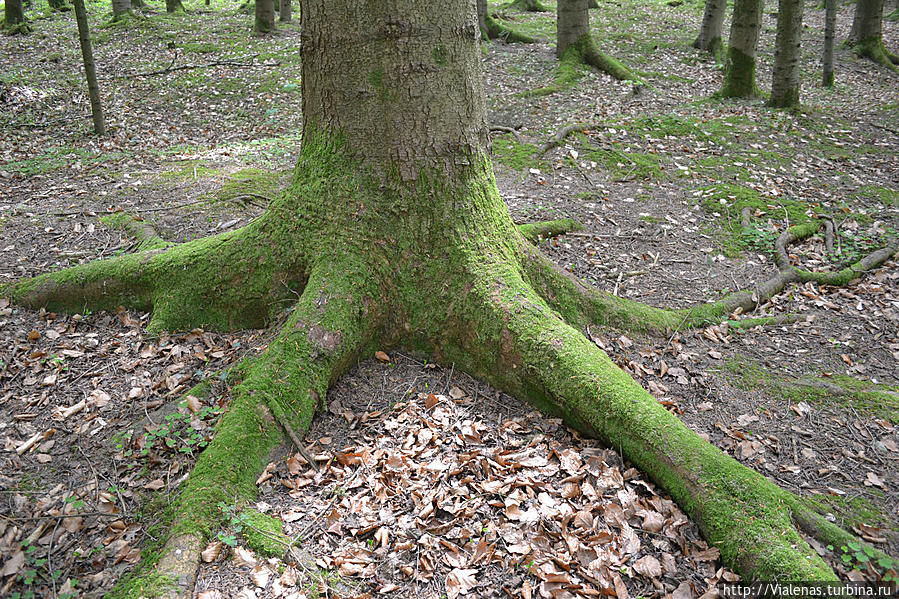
[
  {"x": 439, "y": 55},
  {"x": 144, "y": 581},
  {"x": 566, "y": 74},
  {"x": 739, "y": 75},
  {"x": 145, "y": 237},
  {"x": 249, "y": 181},
  {"x": 201, "y": 47},
  {"x": 630, "y": 165},
  {"x": 517, "y": 155},
  {"x": 191, "y": 170},
  {"x": 854, "y": 510},
  {"x": 883, "y": 195},
  {"x": 264, "y": 534}
]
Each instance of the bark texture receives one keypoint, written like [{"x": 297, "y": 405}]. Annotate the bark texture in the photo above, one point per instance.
[
  {"x": 492, "y": 29},
  {"x": 173, "y": 5},
  {"x": 785, "y": 84},
  {"x": 286, "y": 12},
  {"x": 712, "y": 28},
  {"x": 739, "y": 73},
  {"x": 59, "y": 5},
  {"x": 265, "y": 16},
  {"x": 90, "y": 71},
  {"x": 393, "y": 232},
  {"x": 830, "y": 26}
]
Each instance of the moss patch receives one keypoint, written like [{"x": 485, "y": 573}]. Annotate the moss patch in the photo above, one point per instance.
[
  {"x": 249, "y": 181},
  {"x": 516, "y": 154},
  {"x": 264, "y": 534}
]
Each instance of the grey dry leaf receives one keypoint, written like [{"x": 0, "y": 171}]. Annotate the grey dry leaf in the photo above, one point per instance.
[
  {"x": 211, "y": 594},
  {"x": 872, "y": 480},
  {"x": 212, "y": 552},
  {"x": 260, "y": 576},
  {"x": 648, "y": 566},
  {"x": 244, "y": 557},
  {"x": 459, "y": 582},
  {"x": 14, "y": 564}
]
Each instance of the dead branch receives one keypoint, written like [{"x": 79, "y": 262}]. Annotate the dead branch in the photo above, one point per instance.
[{"x": 215, "y": 63}]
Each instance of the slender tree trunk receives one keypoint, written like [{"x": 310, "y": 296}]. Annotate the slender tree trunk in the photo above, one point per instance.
[
  {"x": 739, "y": 72},
  {"x": 93, "y": 90},
  {"x": 120, "y": 7},
  {"x": 712, "y": 29},
  {"x": 14, "y": 15},
  {"x": 866, "y": 36},
  {"x": 265, "y": 16},
  {"x": 830, "y": 26},
  {"x": 785, "y": 77},
  {"x": 173, "y": 5},
  {"x": 286, "y": 11}
]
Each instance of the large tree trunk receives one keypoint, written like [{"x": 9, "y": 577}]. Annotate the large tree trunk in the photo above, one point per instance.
[
  {"x": 265, "y": 16},
  {"x": 866, "y": 36},
  {"x": 739, "y": 72},
  {"x": 394, "y": 233},
  {"x": 785, "y": 83},
  {"x": 712, "y": 29},
  {"x": 830, "y": 26}
]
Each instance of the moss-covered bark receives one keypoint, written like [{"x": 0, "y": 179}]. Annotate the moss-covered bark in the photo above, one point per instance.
[
  {"x": 397, "y": 235},
  {"x": 739, "y": 72},
  {"x": 575, "y": 45},
  {"x": 528, "y": 5}
]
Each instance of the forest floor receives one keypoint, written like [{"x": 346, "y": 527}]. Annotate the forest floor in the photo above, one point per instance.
[{"x": 202, "y": 113}]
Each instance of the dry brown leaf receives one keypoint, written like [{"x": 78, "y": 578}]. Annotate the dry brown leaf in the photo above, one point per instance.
[
  {"x": 193, "y": 404},
  {"x": 212, "y": 552},
  {"x": 872, "y": 480},
  {"x": 260, "y": 576},
  {"x": 648, "y": 566},
  {"x": 244, "y": 557},
  {"x": 382, "y": 356},
  {"x": 459, "y": 581}
]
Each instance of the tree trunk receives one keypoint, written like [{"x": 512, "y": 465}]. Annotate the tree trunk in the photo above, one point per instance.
[
  {"x": 393, "y": 233},
  {"x": 739, "y": 72},
  {"x": 830, "y": 25},
  {"x": 265, "y": 16},
  {"x": 286, "y": 11},
  {"x": 866, "y": 36},
  {"x": 14, "y": 16},
  {"x": 712, "y": 29},
  {"x": 87, "y": 53},
  {"x": 59, "y": 5},
  {"x": 528, "y": 6},
  {"x": 785, "y": 77},
  {"x": 575, "y": 45},
  {"x": 173, "y": 6},
  {"x": 492, "y": 29},
  {"x": 120, "y": 7}
]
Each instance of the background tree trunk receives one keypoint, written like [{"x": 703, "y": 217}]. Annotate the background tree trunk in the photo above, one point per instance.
[
  {"x": 830, "y": 25},
  {"x": 712, "y": 29},
  {"x": 59, "y": 5},
  {"x": 286, "y": 11},
  {"x": 173, "y": 5},
  {"x": 528, "y": 5},
  {"x": 574, "y": 43},
  {"x": 572, "y": 24},
  {"x": 739, "y": 72},
  {"x": 785, "y": 77},
  {"x": 120, "y": 7},
  {"x": 93, "y": 90},
  {"x": 265, "y": 16},
  {"x": 866, "y": 36},
  {"x": 14, "y": 14}
]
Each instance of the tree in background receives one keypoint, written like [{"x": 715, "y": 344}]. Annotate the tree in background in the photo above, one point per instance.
[
  {"x": 14, "y": 17},
  {"x": 120, "y": 8},
  {"x": 173, "y": 5},
  {"x": 866, "y": 36},
  {"x": 709, "y": 38},
  {"x": 575, "y": 45},
  {"x": 285, "y": 14},
  {"x": 59, "y": 5},
  {"x": 739, "y": 71},
  {"x": 528, "y": 6},
  {"x": 265, "y": 16},
  {"x": 393, "y": 233},
  {"x": 785, "y": 78},
  {"x": 492, "y": 29},
  {"x": 90, "y": 71},
  {"x": 830, "y": 26}
]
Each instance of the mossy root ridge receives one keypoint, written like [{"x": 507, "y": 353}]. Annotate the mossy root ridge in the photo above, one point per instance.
[
  {"x": 547, "y": 229},
  {"x": 239, "y": 279},
  {"x": 445, "y": 271},
  {"x": 497, "y": 31},
  {"x": 528, "y": 6},
  {"x": 537, "y": 355},
  {"x": 582, "y": 305},
  {"x": 874, "y": 49},
  {"x": 280, "y": 393}
]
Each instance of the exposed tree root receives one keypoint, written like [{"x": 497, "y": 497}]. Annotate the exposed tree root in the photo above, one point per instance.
[
  {"x": 145, "y": 236},
  {"x": 497, "y": 30},
  {"x": 563, "y": 134},
  {"x": 548, "y": 229},
  {"x": 875, "y": 50},
  {"x": 583, "y": 52},
  {"x": 528, "y": 6}
]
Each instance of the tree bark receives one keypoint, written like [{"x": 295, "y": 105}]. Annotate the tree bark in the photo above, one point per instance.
[
  {"x": 739, "y": 72},
  {"x": 173, "y": 6},
  {"x": 712, "y": 29},
  {"x": 87, "y": 53},
  {"x": 492, "y": 29},
  {"x": 785, "y": 84},
  {"x": 59, "y": 5},
  {"x": 830, "y": 25},
  {"x": 120, "y": 7},
  {"x": 286, "y": 13},
  {"x": 528, "y": 5},
  {"x": 265, "y": 16}
]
